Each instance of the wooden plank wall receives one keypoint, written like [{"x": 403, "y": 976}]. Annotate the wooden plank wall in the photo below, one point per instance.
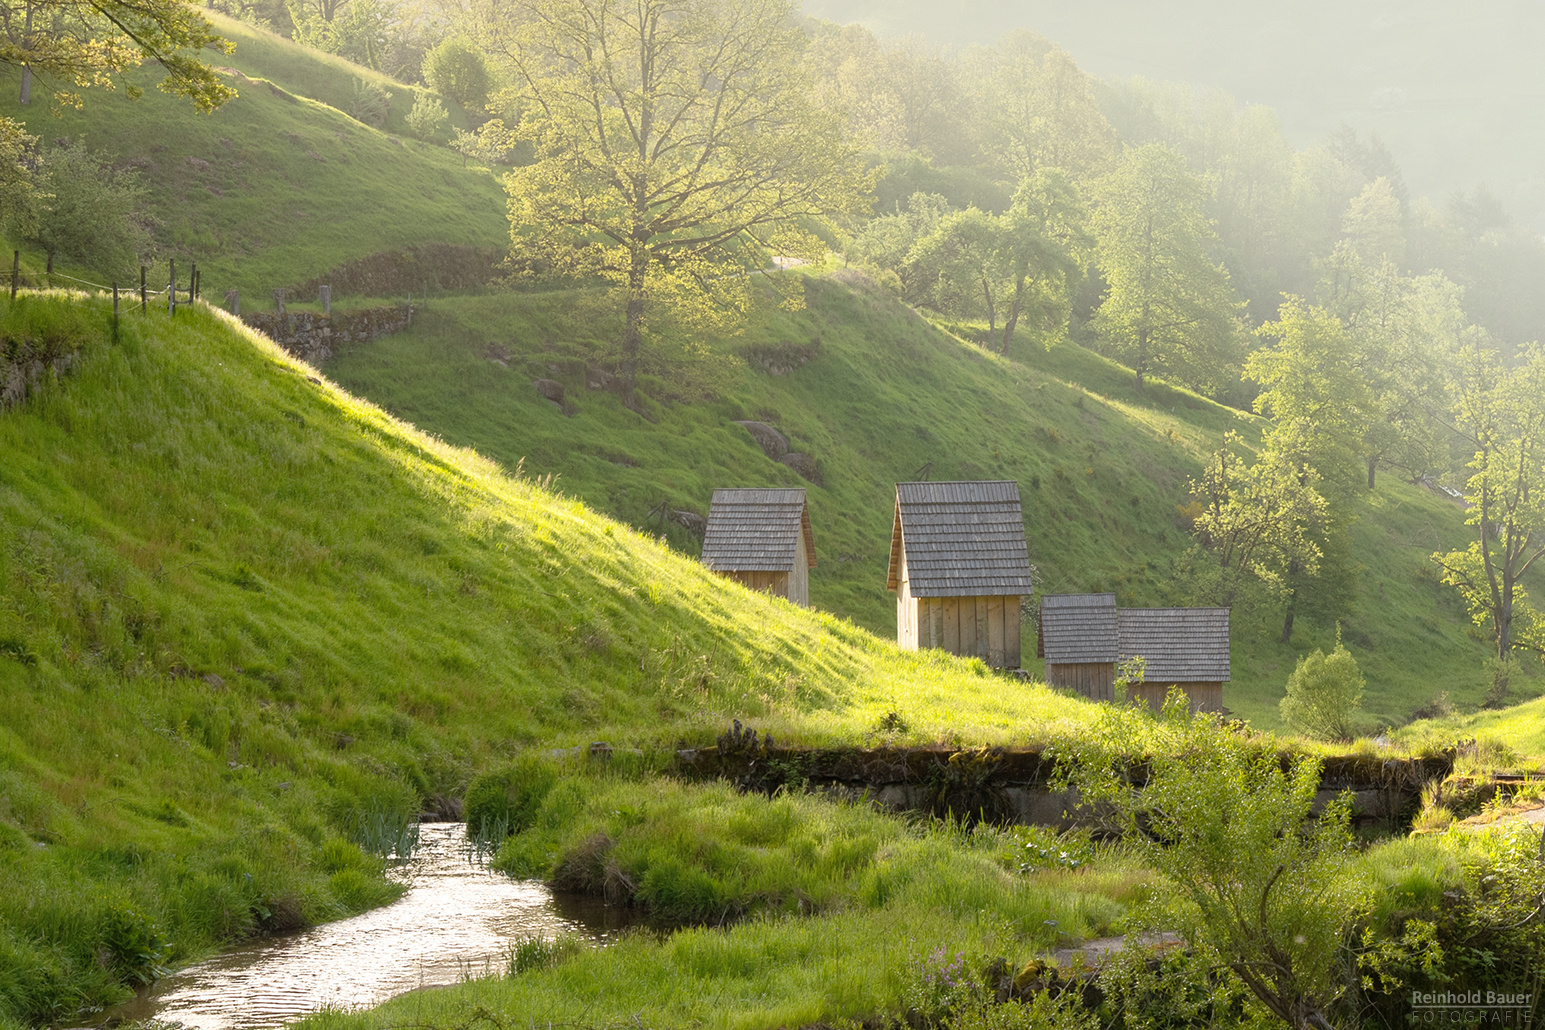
[
  {"x": 775, "y": 583},
  {"x": 973, "y": 627},
  {"x": 1204, "y": 697},
  {"x": 1094, "y": 680}
]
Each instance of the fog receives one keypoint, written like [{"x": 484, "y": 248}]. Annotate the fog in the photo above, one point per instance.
[{"x": 1453, "y": 90}]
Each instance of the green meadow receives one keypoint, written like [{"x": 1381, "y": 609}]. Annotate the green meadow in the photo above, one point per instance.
[{"x": 882, "y": 396}]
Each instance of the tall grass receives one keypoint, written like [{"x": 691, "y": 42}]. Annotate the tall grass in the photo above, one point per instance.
[{"x": 241, "y": 611}]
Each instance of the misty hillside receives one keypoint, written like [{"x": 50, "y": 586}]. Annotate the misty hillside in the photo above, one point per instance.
[{"x": 1446, "y": 88}]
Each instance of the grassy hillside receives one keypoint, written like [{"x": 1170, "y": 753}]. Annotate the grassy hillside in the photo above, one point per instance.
[
  {"x": 886, "y": 396},
  {"x": 280, "y": 184},
  {"x": 246, "y": 618}
]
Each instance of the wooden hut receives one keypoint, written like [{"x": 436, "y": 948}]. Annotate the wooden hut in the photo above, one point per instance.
[
  {"x": 1080, "y": 639},
  {"x": 1184, "y": 647},
  {"x": 959, "y": 567},
  {"x": 1084, "y": 636},
  {"x": 762, "y": 538}
]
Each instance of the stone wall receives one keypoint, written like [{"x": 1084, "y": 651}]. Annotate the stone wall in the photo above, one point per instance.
[
  {"x": 314, "y": 337},
  {"x": 26, "y": 367},
  {"x": 394, "y": 273},
  {"x": 1003, "y": 785}
]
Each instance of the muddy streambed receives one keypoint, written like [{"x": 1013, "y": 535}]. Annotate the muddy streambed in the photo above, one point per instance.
[{"x": 457, "y": 920}]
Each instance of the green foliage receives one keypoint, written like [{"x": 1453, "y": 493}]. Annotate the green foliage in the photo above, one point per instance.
[
  {"x": 539, "y": 952},
  {"x": 1256, "y": 885},
  {"x": 426, "y": 118},
  {"x": 456, "y": 69},
  {"x": 88, "y": 212},
  {"x": 91, "y": 43},
  {"x": 1169, "y": 309},
  {"x": 726, "y": 161},
  {"x": 1324, "y": 694},
  {"x": 371, "y": 102},
  {"x": 508, "y": 798}
]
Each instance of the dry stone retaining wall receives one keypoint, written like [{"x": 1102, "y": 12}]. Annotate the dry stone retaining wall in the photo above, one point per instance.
[{"x": 314, "y": 337}]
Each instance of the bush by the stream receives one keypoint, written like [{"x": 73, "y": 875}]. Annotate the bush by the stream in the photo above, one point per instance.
[{"x": 506, "y": 800}]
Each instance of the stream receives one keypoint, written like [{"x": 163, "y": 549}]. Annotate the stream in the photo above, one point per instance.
[{"x": 456, "y": 921}]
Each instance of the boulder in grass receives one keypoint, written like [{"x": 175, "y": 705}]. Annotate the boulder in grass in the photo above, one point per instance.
[
  {"x": 773, "y": 443},
  {"x": 805, "y": 465},
  {"x": 551, "y": 389}
]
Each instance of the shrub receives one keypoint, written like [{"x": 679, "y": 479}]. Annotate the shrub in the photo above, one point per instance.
[
  {"x": 372, "y": 102},
  {"x": 1323, "y": 693},
  {"x": 88, "y": 211},
  {"x": 506, "y": 801},
  {"x": 457, "y": 70},
  {"x": 427, "y": 116}
]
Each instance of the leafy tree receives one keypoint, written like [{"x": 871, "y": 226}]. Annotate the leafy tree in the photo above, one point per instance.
[
  {"x": 426, "y": 118},
  {"x": 76, "y": 44},
  {"x": 1021, "y": 265},
  {"x": 1403, "y": 332},
  {"x": 88, "y": 212},
  {"x": 888, "y": 239},
  {"x": 1035, "y": 108},
  {"x": 1323, "y": 693},
  {"x": 458, "y": 70},
  {"x": 18, "y": 195},
  {"x": 1256, "y": 886},
  {"x": 1168, "y": 308},
  {"x": 1373, "y": 227},
  {"x": 364, "y": 31},
  {"x": 1500, "y": 411},
  {"x": 1314, "y": 390},
  {"x": 676, "y": 147},
  {"x": 1258, "y": 520}
]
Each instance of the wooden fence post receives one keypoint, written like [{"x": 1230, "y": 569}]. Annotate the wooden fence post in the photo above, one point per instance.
[
  {"x": 325, "y": 295},
  {"x": 142, "y": 294},
  {"x": 193, "y": 284},
  {"x": 171, "y": 290},
  {"x": 115, "y": 311},
  {"x": 49, "y": 271},
  {"x": 15, "y": 272}
]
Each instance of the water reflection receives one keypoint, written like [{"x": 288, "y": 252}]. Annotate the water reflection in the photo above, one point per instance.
[{"x": 456, "y": 920}]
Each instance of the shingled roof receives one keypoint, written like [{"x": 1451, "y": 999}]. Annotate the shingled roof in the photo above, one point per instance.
[
  {"x": 962, "y": 539},
  {"x": 1079, "y": 629},
  {"x": 757, "y": 530},
  {"x": 1179, "y": 645}
]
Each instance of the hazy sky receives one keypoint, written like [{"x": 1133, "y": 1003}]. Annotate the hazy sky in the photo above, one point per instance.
[{"x": 1456, "y": 90}]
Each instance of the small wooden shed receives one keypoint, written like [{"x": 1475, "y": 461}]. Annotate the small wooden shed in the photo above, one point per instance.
[
  {"x": 762, "y": 538},
  {"x": 1185, "y": 647},
  {"x": 959, "y": 567},
  {"x": 1084, "y": 636},
  {"x": 1080, "y": 639}
]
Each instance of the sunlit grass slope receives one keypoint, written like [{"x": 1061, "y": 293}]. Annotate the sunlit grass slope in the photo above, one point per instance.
[
  {"x": 242, "y": 614},
  {"x": 1521, "y": 728},
  {"x": 276, "y": 186},
  {"x": 886, "y": 397}
]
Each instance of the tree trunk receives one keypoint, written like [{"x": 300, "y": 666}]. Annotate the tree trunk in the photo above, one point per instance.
[
  {"x": 1013, "y": 316},
  {"x": 26, "y": 69},
  {"x": 1372, "y": 467},
  {"x": 992, "y": 322},
  {"x": 633, "y": 329}
]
